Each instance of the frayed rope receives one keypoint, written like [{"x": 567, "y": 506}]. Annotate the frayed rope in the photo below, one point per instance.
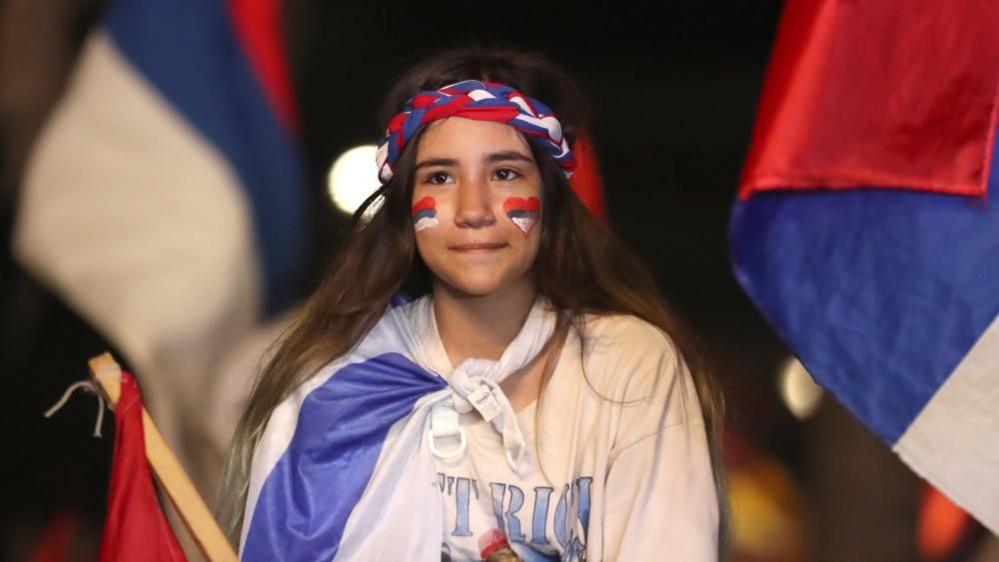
[{"x": 88, "y": 386}]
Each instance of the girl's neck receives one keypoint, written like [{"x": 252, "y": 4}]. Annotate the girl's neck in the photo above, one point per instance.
[{"x": 481, "y": 326}]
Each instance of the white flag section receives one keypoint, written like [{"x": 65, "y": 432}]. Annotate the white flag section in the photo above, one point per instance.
[{"x": 954, "y": 439}]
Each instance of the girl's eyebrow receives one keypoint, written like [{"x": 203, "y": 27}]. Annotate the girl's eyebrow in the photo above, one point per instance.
[
  {"x": 508, "y": 155},
  {"x": 437, "y": 162},
  {"x": 502, "y": 156}
]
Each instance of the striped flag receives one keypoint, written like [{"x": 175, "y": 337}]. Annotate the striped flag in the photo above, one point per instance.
[
  {"x": 164, "y": 200},
  {"x": 867, "y": 225}
]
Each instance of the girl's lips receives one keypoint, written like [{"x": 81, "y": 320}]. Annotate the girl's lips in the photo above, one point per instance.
[{"x": 478, "y": 247}]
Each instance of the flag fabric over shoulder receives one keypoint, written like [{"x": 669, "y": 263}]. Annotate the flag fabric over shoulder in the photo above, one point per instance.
[
  {"x": 867, "y": 224},
  {"x": 347, "y": 457},
  {"x": 164, "y": 199},
  {"x": 135, "y": 528}
]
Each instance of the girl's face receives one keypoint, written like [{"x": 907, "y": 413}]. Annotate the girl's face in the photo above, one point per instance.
[{"x": 476, "y": 205}]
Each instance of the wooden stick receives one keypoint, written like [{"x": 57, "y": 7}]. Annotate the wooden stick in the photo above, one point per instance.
[{"x": 170, "y": 474}]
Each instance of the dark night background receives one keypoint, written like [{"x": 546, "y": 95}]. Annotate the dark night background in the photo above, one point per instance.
[{"x": 675, "y": 86}]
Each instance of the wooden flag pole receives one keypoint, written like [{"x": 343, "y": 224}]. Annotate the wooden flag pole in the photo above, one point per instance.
[{"x": 170, "y": 474}]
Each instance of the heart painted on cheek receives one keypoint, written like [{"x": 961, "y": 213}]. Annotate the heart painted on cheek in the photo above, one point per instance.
[
  {"x": 523, "y": 212},
  {"x": 425, "y": 213}
]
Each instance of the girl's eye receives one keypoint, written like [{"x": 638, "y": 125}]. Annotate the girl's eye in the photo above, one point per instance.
[
  {"x": 506, "y": 174},
  {"x": 438, "y": 178}
]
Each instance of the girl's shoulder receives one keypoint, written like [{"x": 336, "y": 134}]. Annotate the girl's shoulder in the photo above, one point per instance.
[
  {"x": 624, "y": 337},
  {"x": 628, "y": 357}
]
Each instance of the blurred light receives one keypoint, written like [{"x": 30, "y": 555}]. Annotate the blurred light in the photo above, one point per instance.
[
  {"x": 800, "y": 393},
  {"x": 943, "y": 526},
  {"x": 353, "y": 178},
  {"x": 767, "y": 511}
]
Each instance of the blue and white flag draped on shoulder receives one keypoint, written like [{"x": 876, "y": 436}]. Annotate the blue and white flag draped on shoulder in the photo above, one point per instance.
[{"x": 345, "y": 469}]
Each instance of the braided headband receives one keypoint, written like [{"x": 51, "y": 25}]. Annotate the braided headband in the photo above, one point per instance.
[{"x": 485, "y": 101}]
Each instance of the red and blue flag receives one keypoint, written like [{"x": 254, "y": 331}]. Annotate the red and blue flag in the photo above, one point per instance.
[{"x": 867, "y": 224}]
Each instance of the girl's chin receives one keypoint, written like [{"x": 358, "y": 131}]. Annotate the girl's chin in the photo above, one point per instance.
[
  {"x": 481, "y": 285},
  {"x": 475, "y": 289}
]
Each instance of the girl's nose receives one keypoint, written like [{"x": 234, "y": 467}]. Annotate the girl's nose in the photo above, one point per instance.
[{"x": 473, "y": 204}]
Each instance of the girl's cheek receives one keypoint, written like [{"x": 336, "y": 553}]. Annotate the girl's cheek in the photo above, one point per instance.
[
  {"x": 523, "y": 212},
  {"x": 425, "y": 214}
]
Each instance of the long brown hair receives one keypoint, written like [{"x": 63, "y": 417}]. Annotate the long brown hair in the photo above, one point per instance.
[{"x": 582, "y": 268}]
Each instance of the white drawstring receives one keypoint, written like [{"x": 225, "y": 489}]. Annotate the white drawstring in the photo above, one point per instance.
[
  {"x": 481, "y": 392},
  {"x": 88, "y": 386},
  {"x": 475, "y": 384}
]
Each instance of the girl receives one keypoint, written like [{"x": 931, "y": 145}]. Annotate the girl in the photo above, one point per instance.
[{"x": 536, "y": 397}]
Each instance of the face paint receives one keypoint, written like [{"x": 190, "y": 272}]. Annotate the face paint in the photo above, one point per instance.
[
  {"x": 523, "y": 212},
  {"x": 425, "y": 213}
]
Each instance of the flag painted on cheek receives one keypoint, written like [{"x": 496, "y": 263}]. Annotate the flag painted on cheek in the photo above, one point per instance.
[
  {"x": 523, "y": 212},
  {"x": 425, "y": 213}
]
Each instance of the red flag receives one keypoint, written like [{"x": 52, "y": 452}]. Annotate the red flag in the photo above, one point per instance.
[
  {"x": 136, "y": 528},
  {"x": 586, "y": 179},
  {"x": 878, "y": 94}
]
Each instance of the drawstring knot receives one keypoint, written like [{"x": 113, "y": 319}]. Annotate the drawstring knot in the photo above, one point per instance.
[{"x": 474, "y": 386}]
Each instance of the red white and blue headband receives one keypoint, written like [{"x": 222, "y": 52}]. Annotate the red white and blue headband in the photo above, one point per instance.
[{"x": 472, "y": 99}]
